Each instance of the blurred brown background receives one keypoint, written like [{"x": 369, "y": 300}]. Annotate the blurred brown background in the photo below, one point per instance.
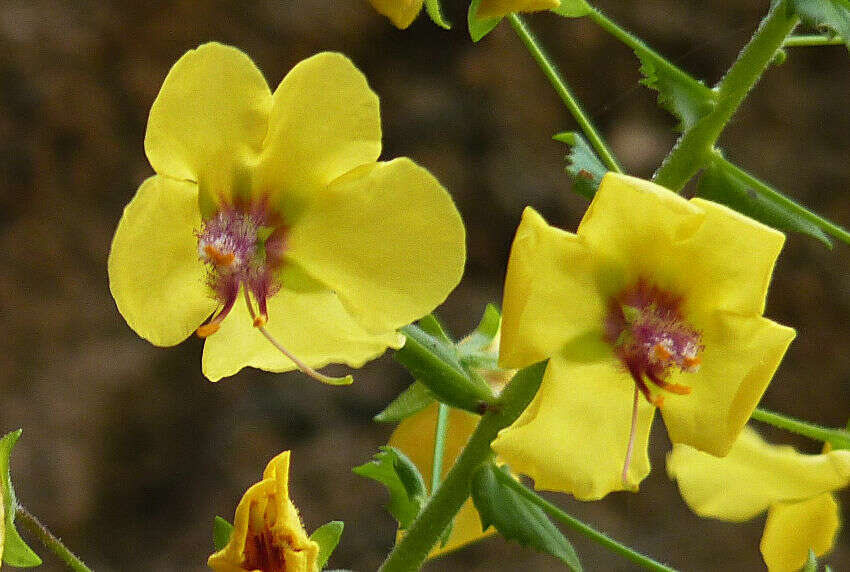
[{"x": 128, "y": 452}]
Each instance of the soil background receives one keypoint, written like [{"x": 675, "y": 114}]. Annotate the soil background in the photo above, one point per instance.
[{"x": 128, "y": 452}]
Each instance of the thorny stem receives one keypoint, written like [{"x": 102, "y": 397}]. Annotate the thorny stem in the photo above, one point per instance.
[
  {"x": 306, "y": 369},
  {"x": 50, "y": 541},
  {"x": 588, "y": 531},
  {"x": 692, "y": 150},
  {"x": 563, "y": 91},
  {"x": 838, "y": 438}
]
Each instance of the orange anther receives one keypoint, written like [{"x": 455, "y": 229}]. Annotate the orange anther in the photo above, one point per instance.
[
  {"x": 658, "y": 401},
  {"x": 661, "y": 352},
  {"x": 217, "y": 257},
  {"x": 691, "y": 363},
  {"x": 260, "y": 320},
  {"x": 677, "y": 388},
  {"x": 207, "y": 329}
]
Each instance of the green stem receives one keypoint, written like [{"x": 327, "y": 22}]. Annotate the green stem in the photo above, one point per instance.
[
  {"x": 563, "y": 91},
  {"x": 811, "y": 40},
  {"x": 640, "y": 47},
  {"x": 694, "y": 147},
  {"x": 439, "y": 445},
  {"x": 585, "y": 530},
  {"x": 32, "y": 524},
  {"x": 412, "y": 550},
  {"x": 838, "y": 438}
]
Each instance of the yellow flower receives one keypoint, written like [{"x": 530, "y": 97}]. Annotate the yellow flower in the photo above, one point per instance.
[
  {"x": 654, "y": 295},
  {"x": 402, "y": 13},
  {"x": 755, "y": 476},
  {"x": 278, "y": 197},
  {"x": 267, "y": 532}
]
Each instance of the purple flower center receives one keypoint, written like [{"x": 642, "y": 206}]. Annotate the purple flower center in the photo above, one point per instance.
[
  {"x": 241, "y": 250},
  {"x": 649, "y": 334}
]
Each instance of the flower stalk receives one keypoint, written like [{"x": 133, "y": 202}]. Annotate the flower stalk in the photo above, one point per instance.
[
  {"x": 838, "y": 438},
  {"x": 49, "y": 540},
  {"x": 693, "y": 149}
]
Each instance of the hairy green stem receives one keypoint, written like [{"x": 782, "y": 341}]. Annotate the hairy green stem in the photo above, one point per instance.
[
  {"x": 563, "y": 91},
  {"x": 578, "y": 526},
  {"x": 811, "y": 40},
  {"x": 439, "y": 445},
  {"x": 838, "y": 438},
  {"x": 693, "y": 149},
  {"x": 34, "y": 526},
  {"x": 639, "y": 46},
  {"x": 412, "y": 550}
]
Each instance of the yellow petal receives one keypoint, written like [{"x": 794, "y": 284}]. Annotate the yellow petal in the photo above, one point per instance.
[
  {"x": 401, "y": 13},
  {"x": 740, "y": 357},
  {"x": 387, "y": 239},
  {"x": 574, "y": 435},
  {"x": 710, "y": 255},
  {"x": 753, "y": 476},
  {"x": 324, "y": 122},
  {"x": 154, "y": 272},
  {"x": 266, "y": 509},
  {"x": 500, "y": 8},
  {"x": 551, "y": 294},
  {"x": 415, "y": 438},
  {"x": 313, "y": 325},
  {"x": 794, "y": 528},
  {"x": 210, "y": 117}
]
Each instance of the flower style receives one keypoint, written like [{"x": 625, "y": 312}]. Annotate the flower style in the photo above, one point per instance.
[
  {"x": 653, "y": 295},
  {"x": 402, "y": 13},
  {"x": 278, "y": 197},
  {"x": 795, "y": 489},
  {"x": 268, "y": 535}
]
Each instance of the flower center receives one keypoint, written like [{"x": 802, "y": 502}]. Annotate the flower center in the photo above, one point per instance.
[
  {"x": 649, "y": 334},
  {"x": 240, "y": 250}
]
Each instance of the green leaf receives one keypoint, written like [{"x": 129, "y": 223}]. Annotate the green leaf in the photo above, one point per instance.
[
  {"x": 572, "y": 8},
  {"x": 679, "y": 93},
  {"x": 436, "y": 364},
  {"x": 15, "y": 551},
  {"x": 479, "y": 27},
  {"x": 811, "y": 563},
  {"x": 408, "y": 403},
  {"x": 482, "y": 336},
  {"x": 830, "y": 16},
  {"x": 403, "y": 480},
  {"x": 432, "y": 325},
  {"x": 583, "y": 165},
  {"x": 436, "y": 13},
  {"x": 222, "y": 530},
  {"x": 724, "y": 183},
  {"x": 516, "y": 518},
  {"x": 327, "y": 537}
]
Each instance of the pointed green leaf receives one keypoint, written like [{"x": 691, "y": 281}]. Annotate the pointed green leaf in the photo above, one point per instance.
[
  {"x": 583, "y": 165},
  {"x": 432, "y": 325},
  {"x": 403, "y": 480},
  {"x": 572, "y": 8},
  {"x": 811, "y": 563},
  {"x": 479, "y": 27},
  {"x": 727, "y": 184},
  {"x": 832, "y": 16},
  {"x": 436, "y": 364},
  {"x": 516, "y": 518},
  {"x": 14, "y": 550},
  {"x": 436, "y": 13},
  {"x": 408, "y": 403},
  {"x": 482, "y": 336},
  {"x": 221, "y": 532},
  {"x": 679, "y": 93},
  {"x": 327, "y": 537}
]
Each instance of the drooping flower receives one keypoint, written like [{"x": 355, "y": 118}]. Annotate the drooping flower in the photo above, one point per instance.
[
  {"x": 268, "y": 535},
  {"x": 278, "y": 198},
  {"x": 796, "y": 490},
  {"x": 653, "y": 295},
  {"x": 402, "y": 13}
]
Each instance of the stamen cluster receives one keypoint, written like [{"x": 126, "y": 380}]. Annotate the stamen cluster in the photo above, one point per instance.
[
  {"x": 231, "y": 245},
  {"x": 650, "y": 335}
]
